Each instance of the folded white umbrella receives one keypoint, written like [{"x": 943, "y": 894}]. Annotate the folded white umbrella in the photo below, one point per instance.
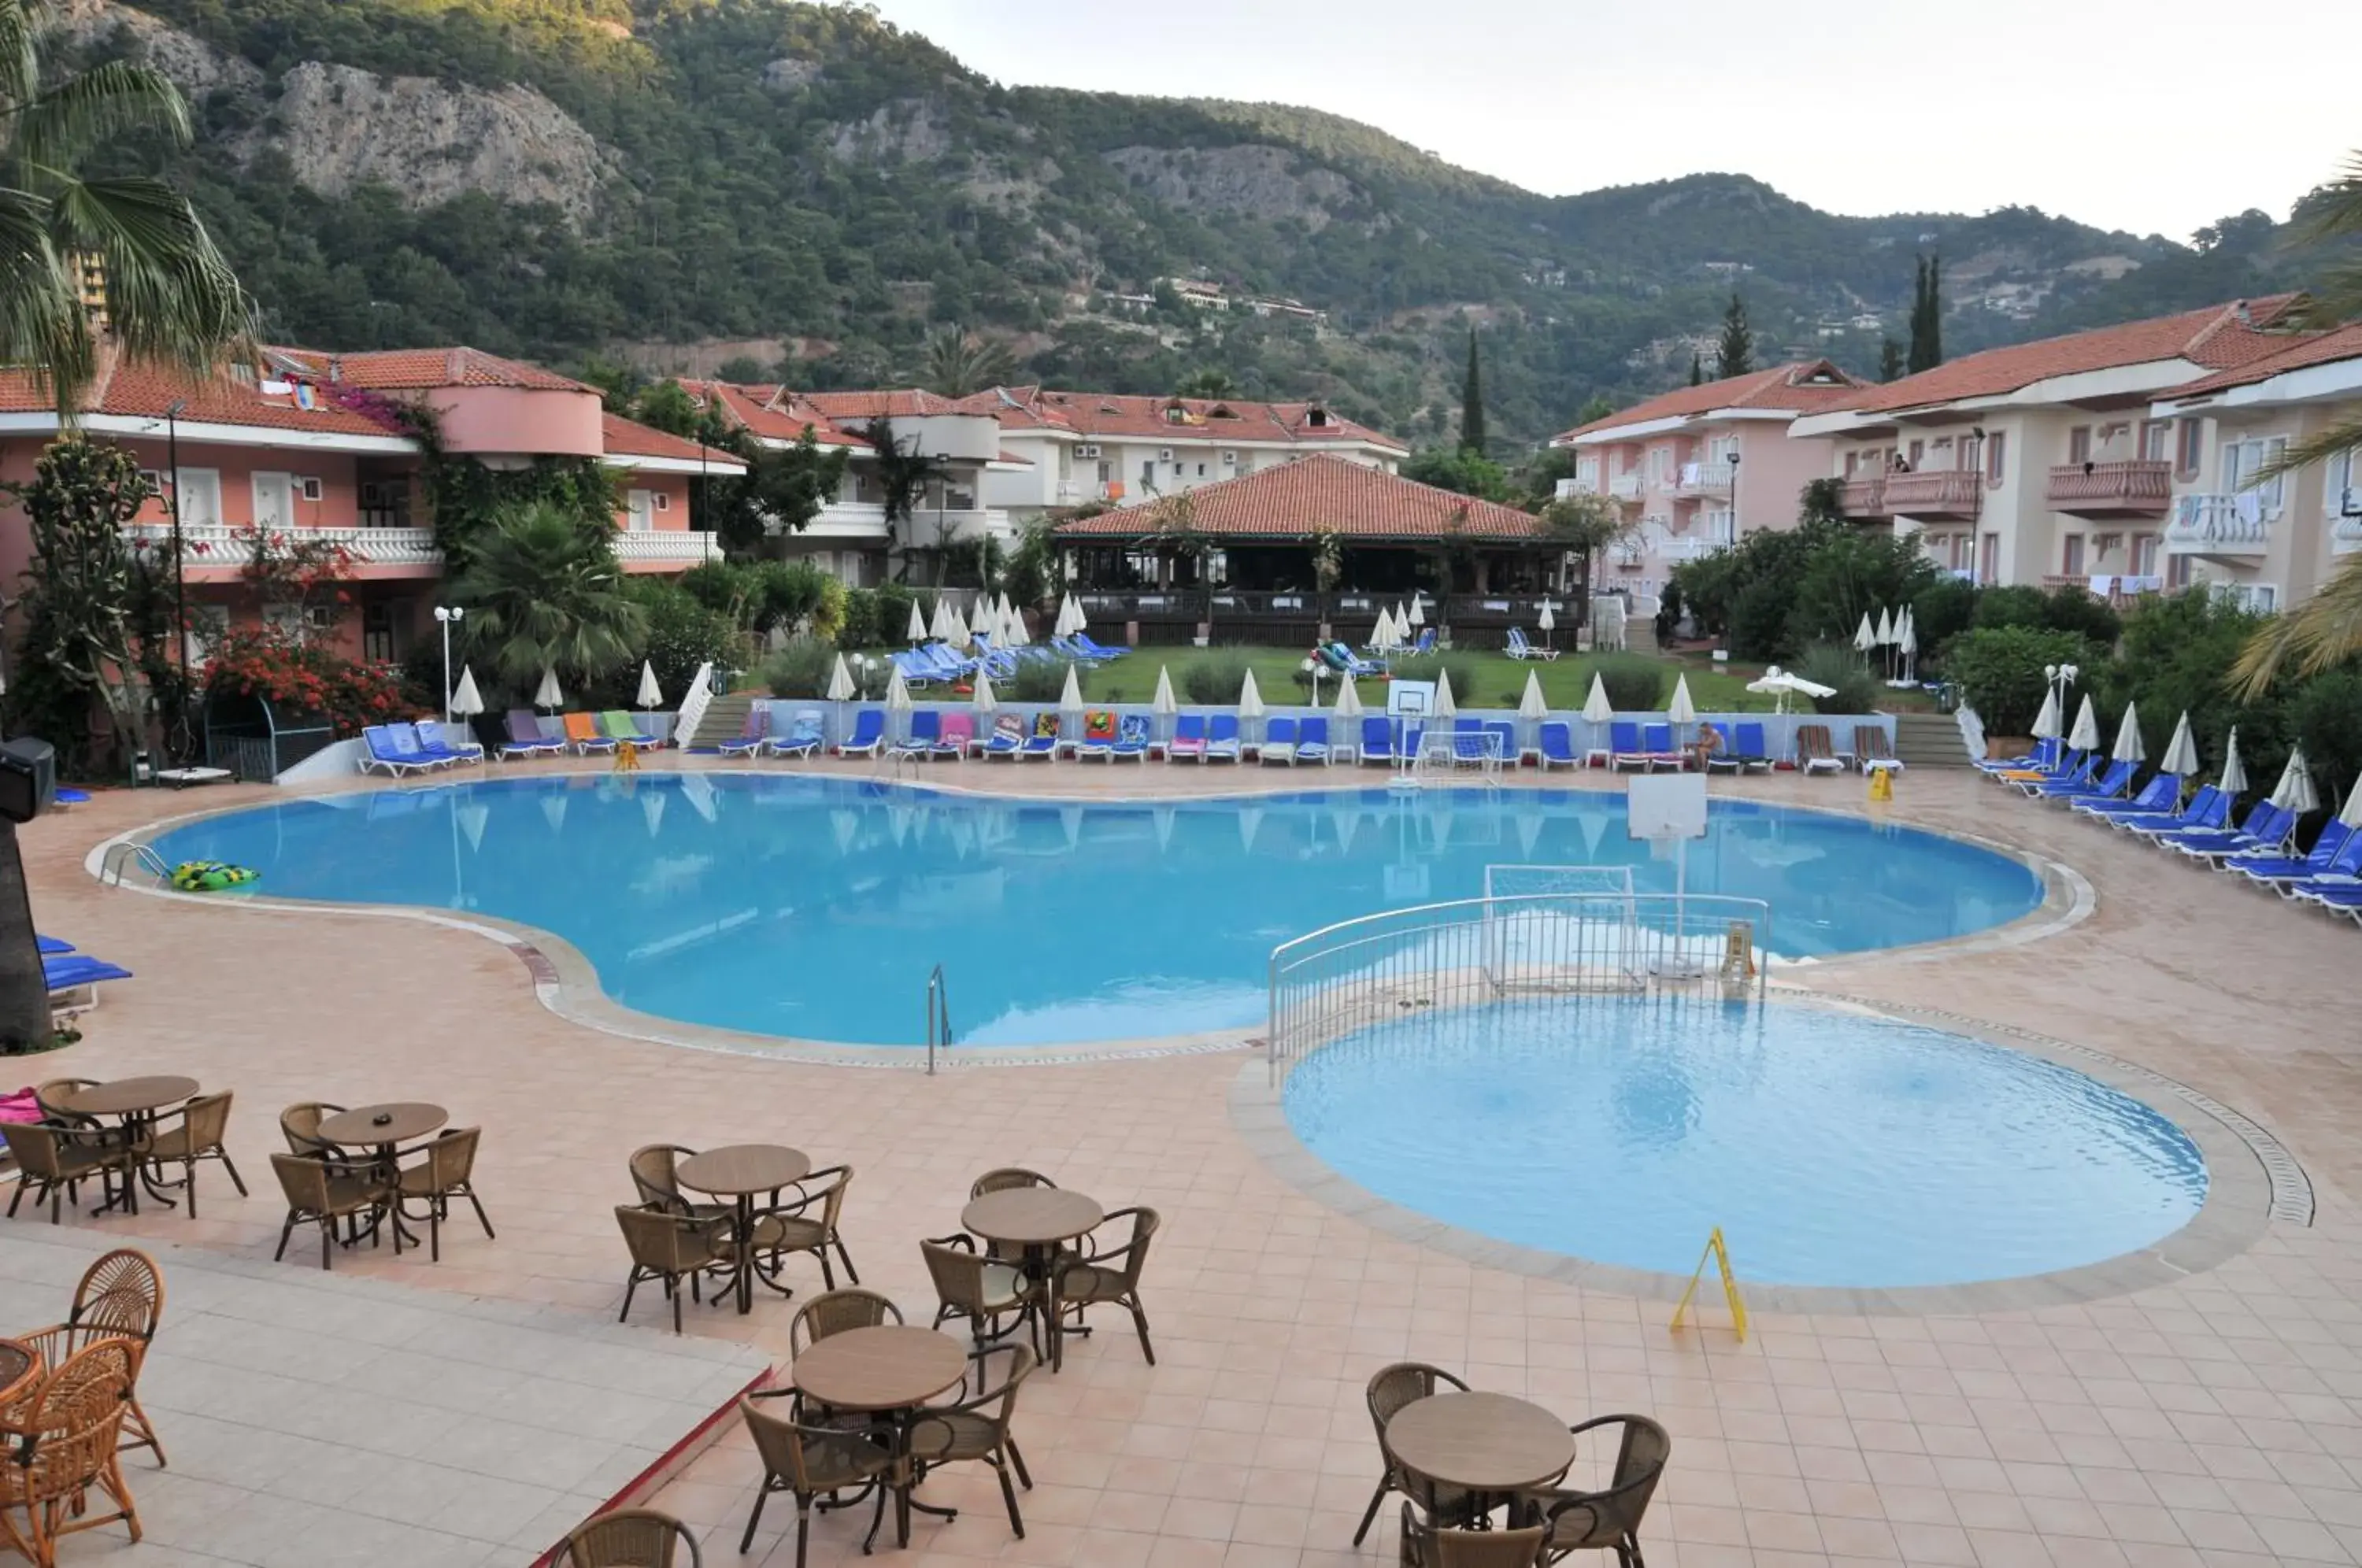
[
  {"x": 2085, "y": 735},
  {"x": 1080, "y": 620},
  {"x": 1070, "y": 700},
  {"x": 1596, "y": 709},
  {"x": 1444, "y": 706},
  {"x": 548, "y": 695},
  {"x": 1683, "y": 711},
  {"x": 1418, "y": 615},
  {"x": 2046, "y": 722},
  {"x": 651, "y": 695},
  {"x": 2128, "y": 746},
  {"x": 1349, "y": 701},
  {"x": 1864, "y": 638},
  {"x": 1547, "y": 618},
  {"x": 2234, "y": 771},
  {"x": 1250, "y": 700},
  {"x": 1402, "y": 621},
  {"x": 840, "y": 682},
  {"x": 2295, "y": 791},
  {"x": 1884, "y": 635},
  {"x": 940, "y": 627},
  {"x": 898, "y": 693},
  {"x": 467, "y": 702},
  {"x": 983, "y": 699},
  {"x": 1907, "y": 633},
  {"x": 2351, "y": 813},
  {"x": 1162, "y": 704},
  {"x": 1533, "y": 704},
  {"x": 961, "y": 634},
  {"x": 918, "y": 633},
  {"x": 2180, "y": 752},
  {"x": 1017, "y": 635}
]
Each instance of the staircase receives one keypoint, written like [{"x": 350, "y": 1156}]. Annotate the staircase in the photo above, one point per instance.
[
  {"x": 725, "y": 719},
  {"x": 1929, "y": 740}
]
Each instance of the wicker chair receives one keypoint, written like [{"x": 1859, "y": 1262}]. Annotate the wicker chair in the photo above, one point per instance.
[
  {"x": 1109, "y": 1277},
  {"x": 53, "y": 1095},
  {"x": 196, "y": 1131},
  {"x": 632, "y": 1538},
  {"x": 976, "y": 1428},
  {"x": 652, "y": 1173},
  {"x": 834, "y": 1312},
  {"x": 1610, "y": 1520},
  {"x": 121, "y": 1297},
  {"x": 322, "y": 1190},
  {"x": 1390, "y": 1389},
  {"x": 976, "y": 1289},
  {"x": 53, "y": 1160},
  {"x": 809, "y": 1461},
  {"x": 671, "y": 1247},
  {"x": 299, "y": 1125},
  {"x": 801, "y": 1230},
  {"x": 65, "y": 1448},
  {"x": 1426, "y": 1546},
  {"x": 1007, "y": 1177},
  {"x": 448, "y": 1172}
]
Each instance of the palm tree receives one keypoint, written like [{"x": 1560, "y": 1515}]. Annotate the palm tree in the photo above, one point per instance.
[
  {"x": 542, "y": 592},
  {"x": 1211, "y": 385},
  {"x": 2326, "y": 629},
  {"x": 960, "y": 362},
  {"x": 170, "y": 295}
]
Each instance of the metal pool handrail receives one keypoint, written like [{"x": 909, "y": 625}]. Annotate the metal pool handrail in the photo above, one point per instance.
[
  {"x": 939, "y": 1015},
  {"x": 1329, "y": 982}
]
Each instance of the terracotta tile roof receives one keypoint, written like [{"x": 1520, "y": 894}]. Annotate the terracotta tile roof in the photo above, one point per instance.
[
  {"x": 1806, "y": 387},
  {"x": 130, "y": 390},
  {"x": 413, "y": 370},
  {"x": 2218, "y": 336},
  {"x": 629, "y": 438},
  {"x": 2314, "y": 348},
  {"x": 1200, "y": 419},
  {"x": 1320, "y": 494},
  {"x": 902, "y": 402},
  {"x": 774, "y": 414}
]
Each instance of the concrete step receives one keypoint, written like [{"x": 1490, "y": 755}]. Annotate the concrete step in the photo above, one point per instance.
[
  {"x": 1929, "y": 740},
  {"x": 725, "y": 719}
]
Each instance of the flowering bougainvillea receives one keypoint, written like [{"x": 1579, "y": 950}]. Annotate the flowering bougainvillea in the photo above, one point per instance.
[{"x": 268, "y": 663}]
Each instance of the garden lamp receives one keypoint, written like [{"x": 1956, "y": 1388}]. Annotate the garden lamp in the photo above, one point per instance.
[{"x": 447, "y": 615}]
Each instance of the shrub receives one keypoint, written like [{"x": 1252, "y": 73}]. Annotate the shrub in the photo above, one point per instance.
[
  {"x": 1837, "y": 665},
  {"x": 2073, "y": 610},
  {"x": 2326, "y": 714},
  {"x": 2014, "y": 604},
  {"x": 301, "y": 679},
  {"x": 1465, "y": 673},
  {"x": 1215, "y": 682},
  {"x": 720, "y": 586},
  {"x": 800, "y": 668},
  {"x": 1999, "y": 669},
  {"x": 786, "y": 593},
  {"x": 682, "y": 634},
  {"x": 1044, "y": 679},
  {"x": 1635, "y": 685},
  {"x": 1943, "y": 610},
  {"x": 857, "y": 624}
]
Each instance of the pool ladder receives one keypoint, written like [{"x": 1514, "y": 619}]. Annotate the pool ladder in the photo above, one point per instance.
[
  {"x": 939, "y": 1016},
  {"x": 110, "y": 869}
]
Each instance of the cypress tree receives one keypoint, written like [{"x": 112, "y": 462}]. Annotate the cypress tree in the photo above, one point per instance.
[
  {"x": 1471, "y": 404},
  {"x": 1736, "y": 355},
  {"x": 1927, "y": 316},
  {"x": 1889, "y": 360},
  {"x": 1697, "y": 371}
]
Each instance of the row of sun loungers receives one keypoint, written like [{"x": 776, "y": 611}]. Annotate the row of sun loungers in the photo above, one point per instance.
[
  {"x": 2258, "y": 847},
  {"x": 67, "y": 972},
  {"x": 939, "y": 663}
]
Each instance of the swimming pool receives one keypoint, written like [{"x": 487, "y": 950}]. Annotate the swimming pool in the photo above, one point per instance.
[
  {"x": 1832, "y": 1149},
  {"x": 815, "y": 907}
]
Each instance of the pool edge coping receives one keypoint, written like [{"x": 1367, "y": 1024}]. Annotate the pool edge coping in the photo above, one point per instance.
[{"x": 2253, "y": 1181}]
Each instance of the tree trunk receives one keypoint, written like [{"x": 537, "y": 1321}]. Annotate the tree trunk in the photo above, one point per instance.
[{"x": 24, "y": 1023}]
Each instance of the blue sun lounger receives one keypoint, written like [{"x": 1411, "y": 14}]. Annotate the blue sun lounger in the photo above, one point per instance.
[
  {"x": 2267, "y": 827},
  {"x": 2210, "y": 808},
  {"x": 1083, "y": 641},
  {"x": 1377, "y": 739},
  {"x": 1554, "y": 744},
  {"x": 803, "y": 736},
  {"x": 65, "y": 797},
  {"x": 1279, "y": 740},
  {"x": 2075, "y": 779},
  {"x": 926, "y": 729},
  {"x": 380, "y": 753},
  {"x": 525, "y": 738},
  {"x": 1188, "y": 738},
  {"x": 1222, "y": 739},
  {"x": 2107, "y": 787},
  {"x": 2157, "y": 795},
  {"x": 50, "y": 945},
  {"x": 1312, "y": 741},
  {"x": 752, "y": 734},
  {"x": 2334, "y": 854},
  {"x": 75, "y": 972},
  {"x": 868, "y": 733}
]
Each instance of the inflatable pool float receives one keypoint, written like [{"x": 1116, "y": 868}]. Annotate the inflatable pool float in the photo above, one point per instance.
[{"x": 210, "y": 876}]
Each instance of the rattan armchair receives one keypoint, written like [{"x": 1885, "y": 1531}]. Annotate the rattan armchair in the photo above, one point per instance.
[
  {"x": 1427, "y": 1545},
  {"x": 63, "y": 1449},
  {"x": 977, "y": 1427},
  {"x": 671, "y": 1247},
  {"x": 323, "y": 1189},
  {"x": 834, "y": 1312},
  {"x": 196, "y": 1131},
  {"x": 807, "y": 1223},
  {"x": 972, "y": 1286},
  {"x": 1109, "y": 1277},
  {"x": 448, "y": 1171},
  {"x": 299, "y": 1125},
  {"x": 121, "y": 1297},
  {"x": 653, "y": 1165},
  {"x": 1005, "y": 1177},
  {"x": 632, "y": 1538},
  {"x": 1390, "y": 1389},
  {"x": 54, "y": 1159},
  {"x": 54, "y": 1095},
  {"x": 810, "y": 1462},
  {"x": 1610, "y": 1520}
]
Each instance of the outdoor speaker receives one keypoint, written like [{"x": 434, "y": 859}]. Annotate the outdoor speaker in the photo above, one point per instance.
[{"x": 28, "y": 779}]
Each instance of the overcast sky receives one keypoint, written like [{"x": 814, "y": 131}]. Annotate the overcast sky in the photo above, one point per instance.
[{"x": 2154, "y": 117}]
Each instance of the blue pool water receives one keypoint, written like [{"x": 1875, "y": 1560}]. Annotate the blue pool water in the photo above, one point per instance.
[
  {"x": 816, "y": 906},
  {"x": 1832, "y": 1150}
]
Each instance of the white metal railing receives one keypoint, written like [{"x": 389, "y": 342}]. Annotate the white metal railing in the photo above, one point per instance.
[
  {"x": 1703, "y": 479},
  {"x": 693, "y": 703},
  {"x": 217, "y": 544},
  {"x": 1625, "y": 487},
  {"x": 2219, "y": 524},
  {"x": 665, "y": 544},
  {"x": 1471, "y": 952},
  {"x": 2345, "y": 534},
  {"x": 849, "y": 519}
]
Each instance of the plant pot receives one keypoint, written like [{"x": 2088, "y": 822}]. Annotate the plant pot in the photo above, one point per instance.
[{"x": 2000, "y": 747}]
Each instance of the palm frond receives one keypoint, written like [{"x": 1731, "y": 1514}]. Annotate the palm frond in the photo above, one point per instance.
[
  {"x": 2333, "y": 218},
  {"x": 21, "y": 56},
  {"x": 57, "y": 125},
  {"x": 2319, "y": 447},
  {"x": 171, "y": 295},
  {"x": 2318, "y": 634},
  {"x": 40, "y": 315}
]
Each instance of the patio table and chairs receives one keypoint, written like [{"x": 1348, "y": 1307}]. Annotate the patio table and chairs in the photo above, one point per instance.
[
  {"x": 741, "y": 1172},
  {"x": 1033, "y": 1223},
  {"x": 883, "y": 1376},
  {"x": 134, "y": 1104},
  {"x": 360, "y": 1169}
]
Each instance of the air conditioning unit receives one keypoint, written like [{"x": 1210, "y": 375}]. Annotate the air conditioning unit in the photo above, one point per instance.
[
  {"x": 1163, "y": 454},
  {"x": 309, "y": 489},
  {"x": 1087, "y": 450},
  {"x": 1229, "y": 459}
]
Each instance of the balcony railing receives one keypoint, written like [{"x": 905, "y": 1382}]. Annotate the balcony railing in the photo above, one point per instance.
[
  {"x": 215, "y": 544},
  {"x": 1956, "y": 493},
  {"x": 2124, "y": 592},
  {"x": 2142, "y": 487},
  {"x": 1625, "y": 487},
  {"x": 668, "y": 544},
  {"x": 1864, "y": 500},
  {"x": 2345, "y": 534},
  {"x": 2218, "y": 525},
  {"x": 1702, "y": 478}
]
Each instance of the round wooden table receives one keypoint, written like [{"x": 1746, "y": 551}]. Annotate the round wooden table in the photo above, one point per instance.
[
  {"x": 383, "y": 1130},
  {"x": 137, "y": 1101},
  {"x": 1490, "y": 1445},
  {"x": 740, "y": 1172},
  {"x": 884, "y": 1372},
  {"x": 1035, "y": 1220}
]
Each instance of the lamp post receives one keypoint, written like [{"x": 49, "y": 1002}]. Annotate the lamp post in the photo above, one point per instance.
[
  {"x": 447, "y": 616},
  {"x": 173, "y": 413},
  {"x": 1734, "y": 496}
]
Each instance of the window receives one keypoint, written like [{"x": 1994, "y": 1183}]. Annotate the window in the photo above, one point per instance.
[
  {"x": 1107, "y": 472},
  {"x": 2144, "y": 555},
  {"x": 2156, "y": 440},
  {"x": 2341, "y": 484},
  {"x": 1586, "y": 475},
  {"x": 2078, "y": 444},
  {"x": 1989, "y": 559},
  {"x": 664, "y": 502},
  {"x": 1971, "y": 454},
  {"x": 1147, "y": 473},
  {"x": 1996, "y": 456},
  {"x": 274, "y": 501},
  {"x": 200, "y": 494},
  {"x": 1918, "y": 454},
  {"x": 2242, "y": 461},
  {"x": 377, "y": 631},
  {"x": 2176, "y": 571},
  {"x": 2072, "y": 562},
  {"x": 1853, "y": 462},
  {"x": 1201, "y": 470},
  {"x": 2191, "y": 447},
  {"x": 639, "y": 512}
]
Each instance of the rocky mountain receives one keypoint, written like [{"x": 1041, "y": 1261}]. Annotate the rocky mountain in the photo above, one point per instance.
[{"x": 574, "y": 178}]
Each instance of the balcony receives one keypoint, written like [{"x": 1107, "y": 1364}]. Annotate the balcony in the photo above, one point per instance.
[
  {"x": 1864, "y": 500},
  {"x": 1625, "y": 487},
  {"x": 2124, "y": 592},
  {"x": 1949, "y": 495},
  {"x": 209, "y": 547},
  {"x": 862, "y": 519},
  {"x": 2346, "y": 535},
  {"x": 653, "y": 549},
  {"x": 2222, "y": 527},
  {"x": 2141, "y": 489},
  {"x": 1695, "y": 482}
]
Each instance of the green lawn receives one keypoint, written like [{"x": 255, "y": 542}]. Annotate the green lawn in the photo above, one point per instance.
[{"x": 1500, "y": 681}]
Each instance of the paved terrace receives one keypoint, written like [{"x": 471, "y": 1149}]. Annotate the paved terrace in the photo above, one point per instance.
[{"x": 2213, "y": 1421}]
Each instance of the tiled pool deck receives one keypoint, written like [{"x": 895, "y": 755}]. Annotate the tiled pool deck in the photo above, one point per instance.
[{"x": 2214, "y": 1419}]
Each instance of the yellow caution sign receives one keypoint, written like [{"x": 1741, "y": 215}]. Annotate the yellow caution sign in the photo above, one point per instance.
[
  {"x": 1882, "y": 786},
  {"x": 1721, "y": 1256}
]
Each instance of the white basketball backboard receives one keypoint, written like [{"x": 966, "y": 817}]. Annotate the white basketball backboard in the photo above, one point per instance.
[
  {"x": 1410, "y": 699},
  {"x": 1665, "y": 806}
]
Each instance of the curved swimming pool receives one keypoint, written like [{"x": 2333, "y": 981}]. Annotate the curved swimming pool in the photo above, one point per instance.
[
  {"x": 1832, "y": 1149},
  {"x": 815, "y": 907}
]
